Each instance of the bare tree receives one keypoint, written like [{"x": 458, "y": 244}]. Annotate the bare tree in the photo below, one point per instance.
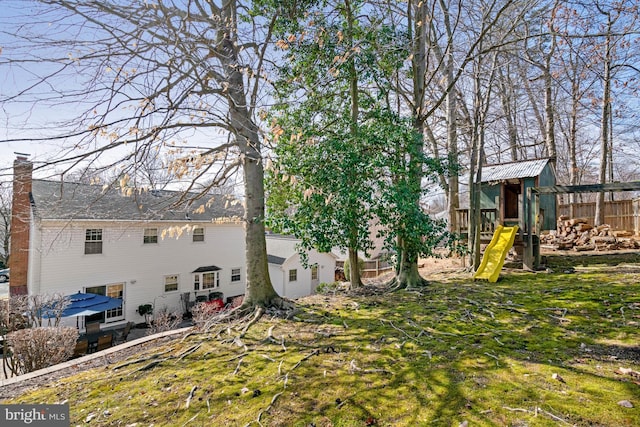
[
  {"x": 141, "y": 78},
  {"x": 436, "y": 58},
  {"x": 5, "y": 222},
  {"x": 613, "y": 31}
]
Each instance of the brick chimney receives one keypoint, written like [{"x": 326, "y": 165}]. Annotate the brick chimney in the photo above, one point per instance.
[{"x": 20, "y": 220}]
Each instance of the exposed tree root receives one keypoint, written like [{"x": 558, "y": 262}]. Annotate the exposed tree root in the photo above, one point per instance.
[
  {"x": 141, "y": 360},
  {"x": 189, "y": 351},
  {"x": 191, "y": 394},
  {"x": 150, "y": 365},
  {"x": 396, "y": 284},
  {"x": 284, "y": 386},
  {"x": 256, "y": 316}
]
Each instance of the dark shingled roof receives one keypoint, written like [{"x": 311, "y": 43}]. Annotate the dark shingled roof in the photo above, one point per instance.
[
  {"x": 65, "y": 200},
  {"x": 207, "y": 268},
  {"x": 272, "y": 259}
]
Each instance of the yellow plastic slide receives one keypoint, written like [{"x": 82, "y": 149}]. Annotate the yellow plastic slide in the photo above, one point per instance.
[{"x": 495, "y": 253}]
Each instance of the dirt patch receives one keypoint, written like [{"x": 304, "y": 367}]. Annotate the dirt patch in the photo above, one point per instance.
[{"x": 574, "y": 259}]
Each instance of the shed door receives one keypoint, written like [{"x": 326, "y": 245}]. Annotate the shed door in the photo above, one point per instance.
[{"x": 511, "y": 198}]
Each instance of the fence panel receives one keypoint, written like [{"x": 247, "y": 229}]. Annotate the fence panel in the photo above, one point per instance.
[{"x": 619, "y": 214}]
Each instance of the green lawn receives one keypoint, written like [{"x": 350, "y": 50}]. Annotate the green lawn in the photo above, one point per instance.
[{"x": 531, "y": 350}]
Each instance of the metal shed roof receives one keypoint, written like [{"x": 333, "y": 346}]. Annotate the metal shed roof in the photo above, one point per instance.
[{"x": 513, "y": 170}]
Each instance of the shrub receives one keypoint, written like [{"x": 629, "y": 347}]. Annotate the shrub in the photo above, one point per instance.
[
  {"x": 13, "y": 314},
  {"x": 202, "y": 315},
  {"x": 37, "y": 348},
  {"x": 328, "y": 288},
  {"x": 163, "y": 320}
]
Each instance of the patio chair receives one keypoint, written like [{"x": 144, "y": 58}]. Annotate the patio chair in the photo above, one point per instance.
[
  {"x": 92, "y": 328},
  {"x": 121, "y": 336},
  {"x": 81, "y": 348},
  {"x": 104, "y": 342}
]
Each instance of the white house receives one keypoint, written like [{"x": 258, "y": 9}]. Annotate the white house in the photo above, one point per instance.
[
  {"x": 289, "y": 275},
  {"x": 145, "y": 247}
]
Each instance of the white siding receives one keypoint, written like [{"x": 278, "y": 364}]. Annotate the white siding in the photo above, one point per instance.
[
  {"x": 284, "y": 247},
  {"x": 126, "y": 259},
  {"x": 277, "y": 278}
]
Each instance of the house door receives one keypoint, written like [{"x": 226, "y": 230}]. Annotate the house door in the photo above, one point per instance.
[
  {"x": 315, "y": 278},
  {"x": 114, "y": 291}
]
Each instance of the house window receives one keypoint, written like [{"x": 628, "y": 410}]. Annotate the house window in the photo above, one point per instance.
[
  {"x": 235, "y": 274},
  {"x": 314, "y": 272},
  {"x": 210, "y": 280},
  {"x": 171, "y": 283},
  {"x": 93, "y": 241},
  {"x": 150, "y": 235},
  {"x": 115, "y": 290},
  {"x": 196, "y": 282},
  {"x": 293, "y": 275},
  {"x": 198, "y": 234}
]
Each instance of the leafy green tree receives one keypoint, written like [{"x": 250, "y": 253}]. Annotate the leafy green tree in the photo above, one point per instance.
[
  {"x": 325, "y": 86},
  {"x": 343, "y": 159},
  {"x": 403, "y": 169},
  {"x": 321, "y": 188}
]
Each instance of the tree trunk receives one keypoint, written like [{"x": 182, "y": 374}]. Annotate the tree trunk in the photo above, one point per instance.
[
  {"x": 550, "y": 132},
  {"x": 354, "y": 269},
  {"x": 259, "y": 290},
  {"x": 354, "y": 273},
  {"x": 453, "y": 197},
  {"x": 573, "y": 137},
  {"x": 506, "y": 98},
  {"x": 407, "y": 274},
  {"x": 604, "y": 124}
]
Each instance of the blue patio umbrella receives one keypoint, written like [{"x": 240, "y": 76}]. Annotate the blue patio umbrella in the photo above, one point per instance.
[{"x": 81, "y": 304}]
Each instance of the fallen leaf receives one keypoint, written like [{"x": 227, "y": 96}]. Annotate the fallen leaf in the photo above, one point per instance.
[
  {"x": 625, "y": 404},
  {"x": 627, "y": 371}
]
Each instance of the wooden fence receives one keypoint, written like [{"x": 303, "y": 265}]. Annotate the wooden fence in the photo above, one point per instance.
[
  {"x": 636, "y": 216},
  {"x": 618, "y": 214},
  {"x": 372, "y": 268}
]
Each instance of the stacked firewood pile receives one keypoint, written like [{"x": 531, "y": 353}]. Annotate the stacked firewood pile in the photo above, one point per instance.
[{"x": 579, "y": 235}]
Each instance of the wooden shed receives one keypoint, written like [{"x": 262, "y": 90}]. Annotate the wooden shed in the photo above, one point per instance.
[
  {"x": 504, "y": 187},
  {"x": 503, "y": 196}
]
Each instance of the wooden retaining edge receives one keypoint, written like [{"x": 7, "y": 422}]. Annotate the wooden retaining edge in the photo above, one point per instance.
[{"x": 88, "y": 357}]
